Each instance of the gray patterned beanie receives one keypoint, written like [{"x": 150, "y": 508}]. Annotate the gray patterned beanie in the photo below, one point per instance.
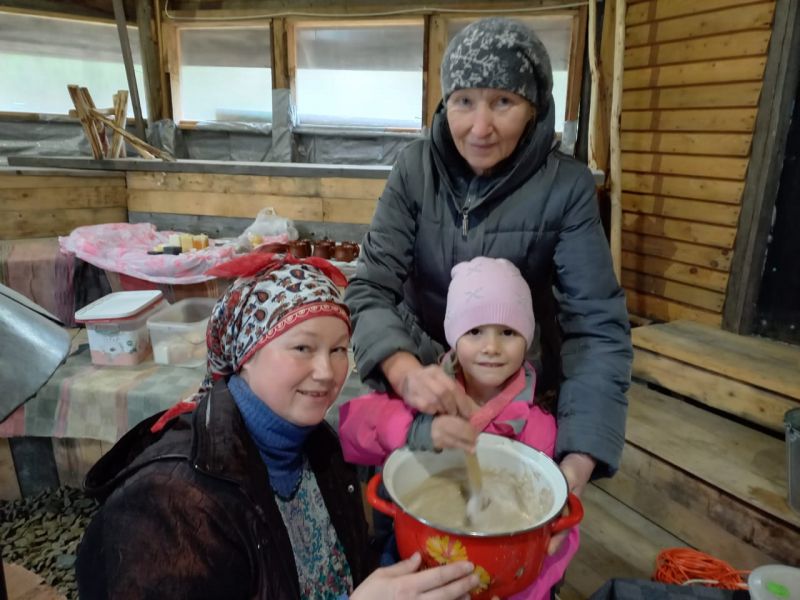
[{"x": 501, "y": 54}]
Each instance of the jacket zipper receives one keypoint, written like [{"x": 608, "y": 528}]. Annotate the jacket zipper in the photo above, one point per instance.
[{"x": 465, "y": 207}]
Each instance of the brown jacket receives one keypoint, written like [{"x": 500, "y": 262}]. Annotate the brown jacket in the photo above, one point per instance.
[{"x": 189, "y": 513}]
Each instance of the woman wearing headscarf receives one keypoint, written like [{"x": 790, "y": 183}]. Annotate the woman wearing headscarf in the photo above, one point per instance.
[
  {"x": 489, "y": 181},
  {"x": 242, "y": 492}
]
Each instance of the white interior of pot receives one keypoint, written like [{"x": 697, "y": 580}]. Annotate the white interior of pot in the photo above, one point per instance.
[{"x": 405, "y": 470}]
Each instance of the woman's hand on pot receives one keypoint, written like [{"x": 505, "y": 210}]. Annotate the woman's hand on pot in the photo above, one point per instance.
[
  {"x": 448, "y": 431},
  {"x": 430, "y": 390},
  {"x": 403, "y": 581},
  {"x": 577, "y": 469}
]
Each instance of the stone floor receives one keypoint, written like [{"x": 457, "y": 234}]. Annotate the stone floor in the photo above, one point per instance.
[{"x": 41, "y": 534}]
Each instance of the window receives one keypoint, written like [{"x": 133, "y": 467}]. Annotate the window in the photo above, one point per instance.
[
  {"x": 40, "y": 56},
  {"x": 225, "y": 74},
  {"x": 368, "y": 74},
  {"x": 556, "y": 34}
]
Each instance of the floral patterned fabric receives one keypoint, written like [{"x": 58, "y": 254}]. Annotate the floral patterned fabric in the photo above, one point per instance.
[
  {"x": 314, "y": 543},
  {"x": 260, "y": 307}
]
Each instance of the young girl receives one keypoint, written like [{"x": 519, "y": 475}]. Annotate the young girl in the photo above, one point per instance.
[{"x": 489, "y": 325}]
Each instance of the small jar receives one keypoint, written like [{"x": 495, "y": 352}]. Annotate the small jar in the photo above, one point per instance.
[
  {"x": 354, "y": 246},
  {"x": 300, "y": 248},
  {"x": 275, "y": 247},
  {"x": 324, "y": 249},
  {"x": 344, "y": 253}
]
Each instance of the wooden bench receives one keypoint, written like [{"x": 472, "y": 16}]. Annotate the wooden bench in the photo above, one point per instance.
[{"x": 704, "y": 462}]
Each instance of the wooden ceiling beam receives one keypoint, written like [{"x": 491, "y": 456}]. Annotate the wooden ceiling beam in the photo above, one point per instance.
[
  {"x": 352, "y": 6},
  {"x": 94, "y": 9}
]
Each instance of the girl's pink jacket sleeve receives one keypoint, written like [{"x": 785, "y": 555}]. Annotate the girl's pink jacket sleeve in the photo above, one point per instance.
[{"x": 372, "y": 426}]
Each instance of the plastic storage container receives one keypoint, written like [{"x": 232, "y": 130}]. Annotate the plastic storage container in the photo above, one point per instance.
[
  {"x": 178, "y": 333},
  {"x": 117, "y": 326},
  {"x": 774, "y": 582}
]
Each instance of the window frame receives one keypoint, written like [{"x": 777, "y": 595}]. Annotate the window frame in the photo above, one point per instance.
[
  {"x": 295, "y": 23},
  {"x": 171, "y": 31},
  {"x": 70, "y": 116}
]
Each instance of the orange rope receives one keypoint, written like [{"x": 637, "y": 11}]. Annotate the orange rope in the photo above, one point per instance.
[{"x": 684, "y": 566}]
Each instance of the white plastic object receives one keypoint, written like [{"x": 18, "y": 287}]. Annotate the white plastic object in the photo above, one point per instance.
[
  {"x": 774, "y": 582},
  {"x": 117, "y": 326},
  {"x": 178, "y": 333}
]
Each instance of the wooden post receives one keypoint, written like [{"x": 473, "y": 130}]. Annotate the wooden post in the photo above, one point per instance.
[
  {"x": 171, "y": 54},
  {"x": 124, "y": 42},
  {"x": 437, "y": 43},
  {"x": 166, "y": 98},
  {"x": 601, "y": 103},
  {"x": 576, "y": 66},
  {"x": 595, "y": 93},
  {"x": 151, "y": 63},
  {"x": 280, "y": 55},
  {"x": 764, "y": 171},
  {"x": 615, "y": 162},
  {"x": 426, "y": 33}
]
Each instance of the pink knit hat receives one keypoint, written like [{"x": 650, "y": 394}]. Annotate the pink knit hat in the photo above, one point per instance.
[{"x": 487, "y": 291}]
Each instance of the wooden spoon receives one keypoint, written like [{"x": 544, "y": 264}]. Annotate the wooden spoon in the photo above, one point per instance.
[{"x": 477, "y": 501}]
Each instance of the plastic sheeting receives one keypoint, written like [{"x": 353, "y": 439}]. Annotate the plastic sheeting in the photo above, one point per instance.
[
  {"x": 282, "y": 120},
  {"x": 165, "y": 134},
  {"x": 221, "y": 141},
  {"x": 53, "y": 136},
  {"x": 226, "y": 145},
  {"x": 229, "y": 141},
  {"x": 314, "y": 146}
]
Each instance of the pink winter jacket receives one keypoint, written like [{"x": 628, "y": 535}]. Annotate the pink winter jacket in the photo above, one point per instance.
[{"x": 373, "y": 425}]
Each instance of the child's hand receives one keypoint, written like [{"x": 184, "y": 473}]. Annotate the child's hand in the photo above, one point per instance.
[
  {"x": 448, "y": 431},
  {"x": 430, "y": 390}
]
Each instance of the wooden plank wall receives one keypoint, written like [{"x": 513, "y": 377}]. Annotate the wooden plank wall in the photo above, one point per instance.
[
  {"x": 40, "y": 205},
  {"x": 692, "y": 80},
  {"x": 317, "y": 199}
]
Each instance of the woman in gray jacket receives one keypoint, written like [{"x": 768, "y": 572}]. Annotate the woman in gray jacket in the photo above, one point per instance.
[{"x": 490, "y": 182}]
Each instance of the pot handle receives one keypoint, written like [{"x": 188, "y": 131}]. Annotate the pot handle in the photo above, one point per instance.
[
  {"x": 573, "y": 517},
  {"x": 376, "y": 501}
]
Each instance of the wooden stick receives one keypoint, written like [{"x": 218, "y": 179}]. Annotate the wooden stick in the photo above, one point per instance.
[
  {"x": 120, "y": 107},
  {"x": 616, "y": 162},
  {"x": 105, "y": 111},
  {"x": 145, "y": 149},
  {"x": 474, "y": 473},
  {"x": 137, "y": 144},
  {"x": 86, "y": 120},
  {"x": 98, "y": 127}
]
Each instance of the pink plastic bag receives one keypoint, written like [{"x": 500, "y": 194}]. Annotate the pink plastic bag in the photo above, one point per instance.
[{"x": 123, "y": 247}]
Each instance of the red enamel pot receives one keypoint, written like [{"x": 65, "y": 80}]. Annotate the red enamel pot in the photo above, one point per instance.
[{"x": 506, "y": 562}]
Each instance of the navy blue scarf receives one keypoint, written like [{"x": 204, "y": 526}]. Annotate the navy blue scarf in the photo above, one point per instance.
[{"x": 279, "y": 442}]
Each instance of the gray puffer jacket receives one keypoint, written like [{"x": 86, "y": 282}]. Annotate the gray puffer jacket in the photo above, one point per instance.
[{"x": 537, "y": 209}]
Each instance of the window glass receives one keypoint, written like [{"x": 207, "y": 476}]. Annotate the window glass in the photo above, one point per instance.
[
  {"x": 40, "y": 56},
  {"x": 225, "y": 74},
  {"x": 368, "y": 75},
  {"x": 556, "y": 35}
]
